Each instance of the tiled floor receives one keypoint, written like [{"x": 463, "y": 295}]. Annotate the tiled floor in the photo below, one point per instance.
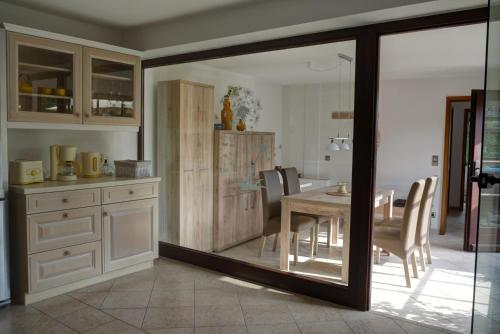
[{"x": 176, "y": 298}]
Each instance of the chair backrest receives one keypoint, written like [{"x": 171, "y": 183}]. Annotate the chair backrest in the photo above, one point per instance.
[
  {"x": 410, "y": 215},
  {"x": 424, "y": 214},
  {"x": 291, "y": 183},
  {"x": 271, "y": 194}
]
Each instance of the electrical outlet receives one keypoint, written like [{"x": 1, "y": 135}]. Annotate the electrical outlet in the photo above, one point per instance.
[
  {"x": 435, "y": 160},
  {"x": 327, "y": 158}
]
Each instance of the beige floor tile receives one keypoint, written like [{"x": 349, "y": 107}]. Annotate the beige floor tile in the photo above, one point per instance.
[
  {"x": 99, "y": 287},
  {"x": 18, "y": 319},
  {"x": 264, "y": 297},
  {"x": 93, "y": 299},
  {"x": 134, "y": 283},
  {"x": 267, "y": 314},
  {"x": 47, "y": 325},
  {"x": 375, "y": 326},
  {"x": 170, "y": 298},
  {"x": 85, "y": 319},
  {"x": 172, "y": 331},
  {"x": 169, "y": 317},
  {"x": 209, "y": 297},
  {"x": 313, "y": 312},
  {"x": 116, "y": 326},
  {"x": 174, "y": 281},
  {"x": 290, "y": 328},
  {"x": 221, "y": 330},
  {"x": 132, "y": 316},
  {"x": 328, "y": 327},
  {"x": 413, "y": 328},
  {"x": 126, "y": 299},
  {"x": 226, "y": 315},
  {"x": 58, "y": 306}
]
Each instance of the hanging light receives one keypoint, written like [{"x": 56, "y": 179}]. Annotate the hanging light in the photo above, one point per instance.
[
  {"x": 345, "y": 143},
  {"x": 333, "y": 146}
]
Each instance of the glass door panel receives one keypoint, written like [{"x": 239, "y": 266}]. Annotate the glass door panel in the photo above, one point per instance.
[
  {"x": 113, "y": 83},
  {"x": 486, "y": 318},
  {"x": 44, "y": 80}
]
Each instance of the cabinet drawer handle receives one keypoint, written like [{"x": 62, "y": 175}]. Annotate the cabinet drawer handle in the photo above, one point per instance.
[
  {"x": 67, "y": 253},
  {"x": 105, "y": 214},
  {"x": 65, "y": 200},
  {"x": 77, "y": 114},
  {"x": 130, "y": 192},
  {"x": 65, "y": 215},
  {"x": 87, "y": 115}
]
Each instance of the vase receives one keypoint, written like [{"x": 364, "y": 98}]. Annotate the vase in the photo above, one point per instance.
[
  {"x": 241, "y": 126},
  {"x": 227, "y": 114}
]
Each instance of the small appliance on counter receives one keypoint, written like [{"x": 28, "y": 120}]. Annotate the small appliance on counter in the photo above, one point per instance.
[
  {"x": 92, "y": 164},
  {"x": 25, "y": 171},
  {"x": 63, "y": 165},
  {"x": 133, "y": 168}
]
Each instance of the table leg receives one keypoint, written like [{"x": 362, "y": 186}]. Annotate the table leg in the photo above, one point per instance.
[
  {"x": 345, "y": 246},
  {"x": 285, "y": 236},
  {"x": 388, "y": 206},
  {"x": 334, "y": 230}
]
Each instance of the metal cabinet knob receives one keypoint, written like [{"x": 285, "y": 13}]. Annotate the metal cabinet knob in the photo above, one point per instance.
[
  {"x": 77, "y": 114},
  {"x": 130, "y": 192},
  {"x": 104, "y": 213},
  {"x": 66, "y": 253},
  {"x": 87, "y": 115},
  {"x": 65, "y": 200},
  {"x": 65, "y": 215}
]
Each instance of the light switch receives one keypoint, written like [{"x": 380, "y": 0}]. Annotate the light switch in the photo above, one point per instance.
[
  {"x": 327, "y": 158},
  {"x": 435, "y": 160}
]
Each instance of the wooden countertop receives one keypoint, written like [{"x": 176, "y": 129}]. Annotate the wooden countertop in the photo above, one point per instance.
[{"x": 82, "y": 183}]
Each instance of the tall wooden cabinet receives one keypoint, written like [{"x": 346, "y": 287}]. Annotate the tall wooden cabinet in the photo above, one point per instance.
[
  {"x": 238, "y": 159},
  {"x": 185, "y": 150}
]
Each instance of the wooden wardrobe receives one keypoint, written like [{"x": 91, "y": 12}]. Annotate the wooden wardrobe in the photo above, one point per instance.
[
  {"x": 238, "y": 159},
  {"x": 185, "y": 162}
]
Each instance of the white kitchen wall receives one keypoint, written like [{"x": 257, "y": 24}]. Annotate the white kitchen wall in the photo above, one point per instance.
[
  {"x": 308, "y": 125},
  {"x": 411, "y": 115},
  {"x": 34, "y": 144},
  {"x": 269, "y": 94}
]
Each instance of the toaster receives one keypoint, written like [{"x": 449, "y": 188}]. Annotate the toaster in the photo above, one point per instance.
[{"x": 25, "y": 171}]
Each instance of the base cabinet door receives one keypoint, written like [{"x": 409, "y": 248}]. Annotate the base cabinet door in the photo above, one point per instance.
[{"x": 129, "y": 233}]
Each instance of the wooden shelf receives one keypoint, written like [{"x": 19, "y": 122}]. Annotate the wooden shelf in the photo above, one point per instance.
[
  {"x": 109, "y": 77},
  {"x": 43, "y": 68},
  {"x": 46, "y": 96},
  {"x": 66, "y": 126}
]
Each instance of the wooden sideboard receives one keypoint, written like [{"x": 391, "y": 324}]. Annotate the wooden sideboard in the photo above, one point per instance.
[
  {"x": 238, "y": 159},
  {"x": 185, "y": 127},
  {"x": 67, "y": 235}
]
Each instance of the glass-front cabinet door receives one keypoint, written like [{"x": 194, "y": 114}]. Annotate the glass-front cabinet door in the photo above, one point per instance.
[
  {"x": 111, "y": 88},
  {"x": 44, "y": 80}
]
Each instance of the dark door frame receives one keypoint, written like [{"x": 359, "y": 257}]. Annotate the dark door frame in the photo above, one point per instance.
[{"x": 357, "y": 293}]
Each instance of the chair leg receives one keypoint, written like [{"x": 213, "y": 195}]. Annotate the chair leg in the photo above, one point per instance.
[
  {"x": 312, "y": 236},
  {"x": 262, "y": 245},
  {"x": 377, "y": 255},
  {"x": 275, "y": 244},
  {"x": 296, "y": 253},
  {"x": 334, "y": 230},
  {"x": 428, "y": 250},
  {"x": 414, "y": 264},
  {"x": 421, "y": 257},
  {"x": 407, "y": 273}
]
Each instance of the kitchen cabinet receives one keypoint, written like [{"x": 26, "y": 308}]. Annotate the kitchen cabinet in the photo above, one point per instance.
[
  {"x": 67, "y": 235},
  {"x": 185, "y": 154},
  {"x": 44, "y": 80},
  {"x": 52, "y": 81},
  {"x": 238, "y": 159},
  {"x": 111, "y": 88}
]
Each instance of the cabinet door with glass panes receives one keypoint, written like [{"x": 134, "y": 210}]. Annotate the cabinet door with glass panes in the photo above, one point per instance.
[
  {"x": 111, "y": 88},
  {"x": 44, "y": 80}
]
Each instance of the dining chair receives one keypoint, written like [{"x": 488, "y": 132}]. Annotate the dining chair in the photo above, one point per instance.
[
  {"x": 401, "y": 241},
  {"x": 422, "y": 239},
  {"x": 271, "y": 211},
  {"x": 291, "y": 185}
]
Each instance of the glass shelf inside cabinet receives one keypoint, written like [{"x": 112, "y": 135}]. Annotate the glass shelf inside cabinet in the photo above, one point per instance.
[
  {"x": 45, "y": 80},
  {"x": 112, "y": 88}
]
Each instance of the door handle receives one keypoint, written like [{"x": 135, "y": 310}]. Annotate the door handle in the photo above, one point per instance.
[{"x": 485, "y": 179}]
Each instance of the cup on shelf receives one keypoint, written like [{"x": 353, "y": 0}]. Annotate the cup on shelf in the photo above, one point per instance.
[
  {"x": 60, "y": 92},
  {"x": 45, "y": 90}
]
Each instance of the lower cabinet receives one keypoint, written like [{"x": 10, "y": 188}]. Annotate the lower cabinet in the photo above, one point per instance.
[{"x": 129, "y": 233}]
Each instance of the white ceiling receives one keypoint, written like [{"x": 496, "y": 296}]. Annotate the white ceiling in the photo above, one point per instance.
[
  {"x": 447, "y": 52},
  {"x": 126, "y": 13},
  {"x": 286, "y": 67},
  {"x": 434, "y": 53}
]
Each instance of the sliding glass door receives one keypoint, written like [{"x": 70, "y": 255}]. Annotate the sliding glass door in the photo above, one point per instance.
[{"x": 486, "y": 317}]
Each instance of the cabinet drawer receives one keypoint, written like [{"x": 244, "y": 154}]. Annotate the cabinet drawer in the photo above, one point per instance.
[
  {"x": 66, "y": 265},
  {"x": 129, "y": 192},
  {"x": 58, "y": 229},
  {"x": 63, "y": 200}
]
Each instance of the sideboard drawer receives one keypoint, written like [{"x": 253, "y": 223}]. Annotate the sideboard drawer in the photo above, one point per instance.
[
  {"x": 129, "y": 192},
  {"x": 63, "y": 200},
  {"x": 59, "y": 229},
  {"x": 66, "y": 265}
]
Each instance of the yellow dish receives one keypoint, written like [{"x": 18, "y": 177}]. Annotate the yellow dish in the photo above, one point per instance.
[
  {"x": 45, "y": 90},
  {"x": 60, "y": 91},
  {"x": 25, "y": 88}
]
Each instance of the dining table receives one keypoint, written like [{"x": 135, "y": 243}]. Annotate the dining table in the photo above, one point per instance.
[{"x": 326, "y": 202}]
